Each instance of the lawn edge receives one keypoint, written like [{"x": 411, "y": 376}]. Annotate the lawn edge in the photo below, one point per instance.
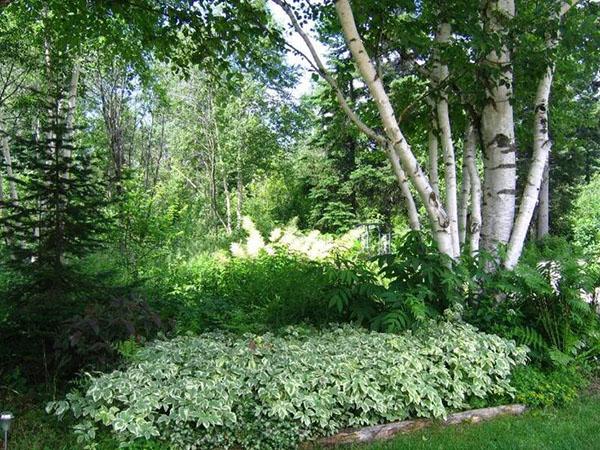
[{"x": 389, "y": 430}]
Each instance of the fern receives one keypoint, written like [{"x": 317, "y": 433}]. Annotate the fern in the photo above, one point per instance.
[{"x": 528, "y": 336}]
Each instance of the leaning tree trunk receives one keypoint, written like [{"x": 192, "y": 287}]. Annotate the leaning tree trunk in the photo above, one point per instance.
[
  {"x": 437, "y": 215},
  {"x": 411, "y": 208},
  {"x": 497, "y": 128}
]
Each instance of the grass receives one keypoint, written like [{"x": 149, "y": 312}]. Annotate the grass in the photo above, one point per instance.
[{"x": 573, "y": 427}]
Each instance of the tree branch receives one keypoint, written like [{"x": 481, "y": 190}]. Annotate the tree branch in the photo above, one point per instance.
[{"x": 321, "y": 70}]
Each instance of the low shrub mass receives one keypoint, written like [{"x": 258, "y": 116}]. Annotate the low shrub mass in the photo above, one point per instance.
[
  {"x": 271, "y": 391},
  {"x": 537, "y": 388},
  {"x": 242, "y": 295}
]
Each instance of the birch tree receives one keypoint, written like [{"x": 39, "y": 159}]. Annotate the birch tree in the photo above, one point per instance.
[
  {"x": 487, "y": 47},
  {"x": 541, "y": 149},
  {"x": 498, "y": 130},
  {"x": 440, "y": 76}
]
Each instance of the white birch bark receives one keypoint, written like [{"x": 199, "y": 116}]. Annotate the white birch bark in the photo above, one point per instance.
[
  {"x": 541, "y": 151},
  {"x": 497, "y": 128},
  {"x": 475, "y": 183},
  {"x": 439, "y": 75},
  {"x": 437, "y": 215},
  {"x": 411, "y": 208},
  {"x": 320, "y": 68},
  {"x": 317, "y": 64},
  {"x": 432, "y": 147},
  {"x": 543, "y": 211},
  {"x": 463, "y": 201}
]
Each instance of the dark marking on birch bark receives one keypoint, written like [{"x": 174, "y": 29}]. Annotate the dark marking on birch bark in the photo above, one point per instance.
[
  {"x": 506, "y": 192},
  {"x": 503, "y": 166},
  {"x": 501, "y": 140},
  {"x": 443, "y": 221},
  {"x": 433, "y": 200},
  {"x": 544, "y": 125}
]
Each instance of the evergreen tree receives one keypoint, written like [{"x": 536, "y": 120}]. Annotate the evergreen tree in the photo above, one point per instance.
[{"x": 61, "y": 212}]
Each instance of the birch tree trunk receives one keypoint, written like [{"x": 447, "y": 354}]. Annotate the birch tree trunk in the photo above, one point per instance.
[
  {"x": 463, "y": 201},
  {"x": 471, "y": 140},
  {"x": 497, "y": 128},
  {"x": 411, "y": 208},
  {"x": 543, "y": 211},
  {"x": 432, "y": 146},
  {"x": 439, "y": 76},
  {"x": 541, "y": 151},
  {"x": 437, "y": 215}
]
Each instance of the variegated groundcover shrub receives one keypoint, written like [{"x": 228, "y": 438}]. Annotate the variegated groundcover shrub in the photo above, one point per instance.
[{"x": 270, "y": 392}]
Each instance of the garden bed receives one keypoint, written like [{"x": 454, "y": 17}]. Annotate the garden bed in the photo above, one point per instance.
[{"x": 275, "y": 391}]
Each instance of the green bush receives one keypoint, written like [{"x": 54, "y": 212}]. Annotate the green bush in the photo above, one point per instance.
[
  {"x": 246, "y": 294},
  {"x": 585, "y": 219},
  {"x": 540, "y": 304},
  {"x": 544, "y": 389},
  {"x": 398, "y": 292},
  {"x": 269, "y": 392}
]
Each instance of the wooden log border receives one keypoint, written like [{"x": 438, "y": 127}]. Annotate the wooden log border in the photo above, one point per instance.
[{"x": 389, "y": 430}]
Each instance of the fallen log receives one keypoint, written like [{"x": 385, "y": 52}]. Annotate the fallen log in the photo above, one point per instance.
[{"x": 389, "y": 430}]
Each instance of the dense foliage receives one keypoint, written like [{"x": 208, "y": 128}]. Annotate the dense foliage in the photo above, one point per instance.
[
  {"x": 170, "y": 169},
  {"x": 547, "y": 302},
  {"x": 585, "y": 220},
  {"x": 219, "y": 391},
  {"x": 239, "y": 294}
]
